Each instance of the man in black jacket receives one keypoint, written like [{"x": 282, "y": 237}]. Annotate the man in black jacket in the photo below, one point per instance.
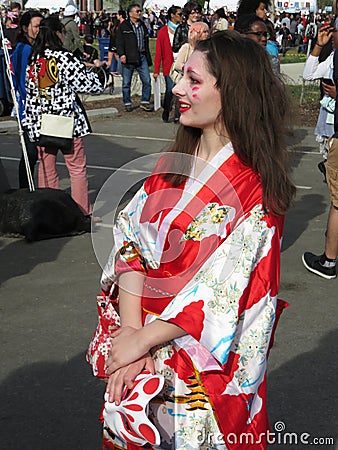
[{"x": 132, "y": 43}]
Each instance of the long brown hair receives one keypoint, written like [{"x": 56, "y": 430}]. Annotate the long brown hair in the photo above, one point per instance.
[{"x": 254, "y": 113}]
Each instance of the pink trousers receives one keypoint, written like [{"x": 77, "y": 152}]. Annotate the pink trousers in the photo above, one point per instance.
[{"x": 76, "y": 165}]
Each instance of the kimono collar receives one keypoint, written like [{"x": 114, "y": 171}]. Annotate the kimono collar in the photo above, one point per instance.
[{"x": 191, "y": 190}]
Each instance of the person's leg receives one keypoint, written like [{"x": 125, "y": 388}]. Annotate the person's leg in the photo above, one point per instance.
[
  {"x": 76, "y": 165},
  {"x": 331, "y": 243},
  {"x": 118, "y": 65},
  {"x": 168, "y": 97},
  {"x": 47, "y": 175},
  {"x": 325, "y": 265},
  {"x": 144, "y": 73},
  {"x": 113, "y": 65},
  {"x": 127, "y": 73},
  {"x": 32, "y": 153}
]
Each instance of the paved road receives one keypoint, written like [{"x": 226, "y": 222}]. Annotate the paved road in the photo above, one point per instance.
[{"x": 48, "y": 398}]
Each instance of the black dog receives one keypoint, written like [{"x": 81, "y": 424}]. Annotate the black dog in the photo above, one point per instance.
[{"x": 42, "y": 214}]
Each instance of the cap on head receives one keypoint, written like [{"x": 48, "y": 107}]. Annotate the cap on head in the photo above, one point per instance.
[{"x": 70, "y": 10}]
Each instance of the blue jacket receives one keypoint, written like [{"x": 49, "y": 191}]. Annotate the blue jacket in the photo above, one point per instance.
[{"x": 19, "y": 61}]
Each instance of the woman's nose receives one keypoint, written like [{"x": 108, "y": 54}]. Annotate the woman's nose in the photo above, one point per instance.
[{"x": 177, "y": 89}]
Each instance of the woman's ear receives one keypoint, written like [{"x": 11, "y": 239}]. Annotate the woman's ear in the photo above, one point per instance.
[{"x": 25, "y": 29}]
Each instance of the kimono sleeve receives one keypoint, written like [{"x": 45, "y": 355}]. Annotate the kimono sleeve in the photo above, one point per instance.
[
  {"x": 232, "y": 299},
  {"x": 126, "y": 254}
]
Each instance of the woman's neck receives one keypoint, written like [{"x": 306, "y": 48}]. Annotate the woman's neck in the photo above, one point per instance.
[{"x": 210, "y": 144}]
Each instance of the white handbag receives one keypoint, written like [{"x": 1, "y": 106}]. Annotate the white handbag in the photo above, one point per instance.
[
  {"x": 56, "y": 133},
  {"x": 58, "y": 126}
]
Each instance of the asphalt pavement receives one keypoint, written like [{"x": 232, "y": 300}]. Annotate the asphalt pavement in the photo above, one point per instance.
[{"x": 48, "y": 397}]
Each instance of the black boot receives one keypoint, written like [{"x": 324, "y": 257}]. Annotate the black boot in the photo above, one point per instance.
[{"x": 165, "y": 116}]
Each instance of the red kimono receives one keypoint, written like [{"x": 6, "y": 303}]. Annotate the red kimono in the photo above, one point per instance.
[{"x": 211, "y": 258}]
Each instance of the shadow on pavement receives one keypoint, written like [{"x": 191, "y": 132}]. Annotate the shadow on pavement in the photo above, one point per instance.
[
  {"x": 18, "y": 257},
  {"x": 296, "y": 138},
  {"x": 298, "y": 218},
  {"x": 302, "y": 394},
  {"x": 51, "y": 406}
]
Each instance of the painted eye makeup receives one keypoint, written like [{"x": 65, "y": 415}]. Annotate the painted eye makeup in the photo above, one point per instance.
[
  {"x": 190, "y": 73},
  {"x": 193, "y": 80}
]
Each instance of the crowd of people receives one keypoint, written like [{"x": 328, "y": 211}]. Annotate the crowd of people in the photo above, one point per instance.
[
  {"x": 48, "y": 73},
  {"x": 177, "y": 30},
  {"x": 291, "y": 29},
  {"x": 196, "y": 280}
]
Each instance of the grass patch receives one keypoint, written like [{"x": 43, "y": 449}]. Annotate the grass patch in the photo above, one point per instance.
[
  {"x": 290, "y": 58},
  {"x": 307, "y": 94}
]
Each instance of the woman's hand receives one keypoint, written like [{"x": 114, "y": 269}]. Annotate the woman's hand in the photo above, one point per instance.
[
  {"x": 329, "y": 90},
  {"x": 126, "y": 377},
  {"x": 324, "y": 35},
  {"x": 126, "y": 348},
  {"x": 130, "y": 345}
]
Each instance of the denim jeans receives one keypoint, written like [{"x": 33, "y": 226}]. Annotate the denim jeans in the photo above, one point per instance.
[
  {"x": 115, "y": 65},
  {"x": 127, "y": 73},
  {"x": 168, "y": 95}
]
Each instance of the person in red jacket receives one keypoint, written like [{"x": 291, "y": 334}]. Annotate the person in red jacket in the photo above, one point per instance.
[{"x": 164, "y": 55}]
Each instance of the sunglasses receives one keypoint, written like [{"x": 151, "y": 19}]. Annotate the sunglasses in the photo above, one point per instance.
[
  {"x": 259, "y": 34},
  {"x": 179, "y": 14}
]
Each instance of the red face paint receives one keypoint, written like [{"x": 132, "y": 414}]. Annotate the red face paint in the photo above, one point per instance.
[{"x": 195, "y": 89}]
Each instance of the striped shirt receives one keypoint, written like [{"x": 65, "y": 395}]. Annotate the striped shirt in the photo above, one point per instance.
[{"x": 138, "y": 30}]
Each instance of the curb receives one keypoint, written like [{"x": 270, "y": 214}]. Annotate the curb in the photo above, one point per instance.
[
  {"x": 101, "y": 113},
  {"x": 11, "y": 126},
  {"x": 8, "y": 126}
]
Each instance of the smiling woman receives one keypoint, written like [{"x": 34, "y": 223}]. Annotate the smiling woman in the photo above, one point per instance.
[
  {"x": 199, "y": 98},
  {"x": 195, "y": 262},
  {"x": 253, "y": 27}
]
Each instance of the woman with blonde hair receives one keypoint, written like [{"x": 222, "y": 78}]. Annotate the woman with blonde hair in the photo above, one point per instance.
[{"x": 197, "y": 32}]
